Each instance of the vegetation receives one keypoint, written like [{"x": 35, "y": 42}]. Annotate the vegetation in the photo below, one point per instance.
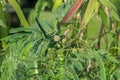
[{"x": 70, "y": 40}]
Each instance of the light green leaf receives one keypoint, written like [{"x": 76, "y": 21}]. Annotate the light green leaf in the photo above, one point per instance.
[
  {"x": 111, "y": 7},
  {"x": 92, "y": 5},
  {"x": 104, "y": 17},
  {"x": 112, "y": 59},
  {"x": 57, "y": 3},
  {"x": 114, "y": 15},
  {"x": 27, "y": 48},
  {"x": 19, "y": 12},
  {"x": 107, "y": 3}
]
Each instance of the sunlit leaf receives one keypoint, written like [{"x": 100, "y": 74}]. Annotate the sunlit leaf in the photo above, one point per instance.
[
  {"x": 57, "y": 3},
  {"x": 114, "y": 15},
  {"x": 112, "y": 59},
  {"x": 19, "y": 12},
  {"x": 104, "y": 17},
  {"x": 89, "y": 11},
  {"x": 107, "y": 3}
]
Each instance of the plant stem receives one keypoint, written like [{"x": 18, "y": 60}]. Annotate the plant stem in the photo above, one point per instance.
[
  {"x": 41, "y": 28},
  {"x": 99, "y": 36}
]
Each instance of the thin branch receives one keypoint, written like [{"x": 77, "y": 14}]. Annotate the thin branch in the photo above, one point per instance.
[
  {"x": 41, "y": 28},
  {"x": 99, "y": 35}
]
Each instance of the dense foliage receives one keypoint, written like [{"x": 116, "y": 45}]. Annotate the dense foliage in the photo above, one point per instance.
[{"x": 50, "y": 46}]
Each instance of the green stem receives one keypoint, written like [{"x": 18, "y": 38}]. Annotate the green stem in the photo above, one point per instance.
[
  {"x": 19, "y": 12},
  {"x": 3, "y": 24}
]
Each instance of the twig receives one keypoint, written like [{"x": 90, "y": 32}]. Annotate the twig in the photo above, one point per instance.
[
  {"x": 99, "y": 35},
  {"x": 41, "y": 28}
]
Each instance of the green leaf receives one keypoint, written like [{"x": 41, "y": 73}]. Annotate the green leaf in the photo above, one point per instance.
[
  {"x": 97, "y": 56},
  {"x": 1, "y": 23},
  {"x": 22, "y": 45},
  {"x": 2, "y": 14},
  {"x": 90, "y": 11},
  {"x": 111, "y": 7},
  {"x": 69, "y": 75},
  {"x": 27, "y": 48},
  {"x": 38, "y": 7},
  {"x": 112, "y": 59},
  {"x": 116, "y": 75},
  {"x": 74, "y": 74},
  {"x": 57, "y": 3},
  {"x": 94, "y": 42},
  {"x": 77, "y": 64},
  {"x": 42, "y": 77},
  {"x": 51, "y": 73},
  {"x": 114, "y": 15},
  {"x": 107, "y": 3},
  {"x": 8, "y": 67},
  {"x": 104, "y": 17}
]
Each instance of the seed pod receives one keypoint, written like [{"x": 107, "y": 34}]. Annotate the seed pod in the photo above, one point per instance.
[
  {"x": 72, "y": 10},
  {"x": 57, "y": 38}
]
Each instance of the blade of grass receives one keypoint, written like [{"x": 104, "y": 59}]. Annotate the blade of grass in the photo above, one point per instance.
[{"x": 19, "y": 12}]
